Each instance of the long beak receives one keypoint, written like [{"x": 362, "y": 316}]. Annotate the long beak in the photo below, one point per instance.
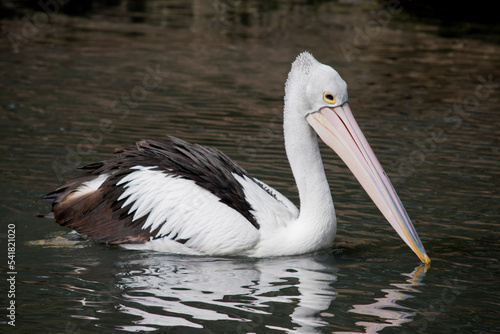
[{"x": 339, "y": 130}]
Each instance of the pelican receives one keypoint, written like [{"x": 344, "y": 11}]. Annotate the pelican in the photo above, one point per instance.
[{"x": 178, "y": 197}]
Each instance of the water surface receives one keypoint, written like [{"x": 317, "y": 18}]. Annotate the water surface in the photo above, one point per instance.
[{"x": 427, "y": 104}]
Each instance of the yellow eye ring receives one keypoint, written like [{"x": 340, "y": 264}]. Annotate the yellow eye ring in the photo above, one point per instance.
[{"x": 329, "y": 98}]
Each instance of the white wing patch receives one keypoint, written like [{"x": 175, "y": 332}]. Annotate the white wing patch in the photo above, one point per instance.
[
  {"x": 180, "y": 209},
  {"x": 271, "y": 211},
  {"x": 90, "y": 186}
]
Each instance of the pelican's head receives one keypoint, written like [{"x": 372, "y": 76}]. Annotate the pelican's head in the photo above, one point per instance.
[{"x": 321, "y": 96}]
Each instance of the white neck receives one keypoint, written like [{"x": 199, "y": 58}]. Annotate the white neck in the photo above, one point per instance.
[{"x": 316, "y": 224}]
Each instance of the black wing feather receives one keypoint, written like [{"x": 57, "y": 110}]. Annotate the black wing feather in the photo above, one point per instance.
[{"x": 100, "y": 215}]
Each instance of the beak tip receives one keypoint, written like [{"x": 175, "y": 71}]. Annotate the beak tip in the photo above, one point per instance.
[{"x": 426, "y": 259}]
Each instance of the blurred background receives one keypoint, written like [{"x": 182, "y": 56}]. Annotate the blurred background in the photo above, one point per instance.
[
  {"x": 81, "y": 78},
  {"x": 449, "y": 18}
]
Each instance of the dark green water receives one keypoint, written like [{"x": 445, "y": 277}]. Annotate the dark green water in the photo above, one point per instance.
[{"x": 78, "y": 87}]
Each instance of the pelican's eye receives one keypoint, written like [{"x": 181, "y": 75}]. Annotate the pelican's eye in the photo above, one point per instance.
[{"x": 329, "y": 98}]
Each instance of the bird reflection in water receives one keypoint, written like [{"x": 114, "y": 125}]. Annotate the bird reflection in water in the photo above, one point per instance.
[
  {"x": 246, "y": 294},
  {"x": 387, "y": 308}
]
